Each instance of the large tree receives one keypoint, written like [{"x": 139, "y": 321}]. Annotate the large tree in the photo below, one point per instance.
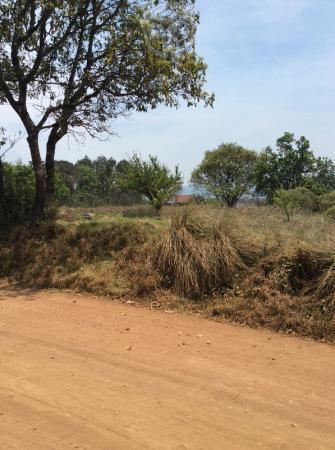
[
  {"x": 227, "y": 172},
  {"x": 73, "y": 65},
  {"x": 293, "y": 164}
]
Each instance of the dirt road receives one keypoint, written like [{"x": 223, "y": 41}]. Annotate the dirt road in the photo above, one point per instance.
[{"x": 79, "y": 373}]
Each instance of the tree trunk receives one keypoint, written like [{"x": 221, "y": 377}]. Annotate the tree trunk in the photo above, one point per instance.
[
  {"x": 2, "y": 182},
  {"x": 232, "y": 202},
  {"x": 56, "y": 134},
  {"x": 50, "y": 166},
  {"x": 40, "y": 178}
]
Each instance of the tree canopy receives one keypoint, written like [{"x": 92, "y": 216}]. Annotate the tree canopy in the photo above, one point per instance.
[
  {"x": 293, "y": 164},
  {"x": 94, "y": 182},
  {"x": 226, "y": 172},
  {"x": 73, "y": 65}
]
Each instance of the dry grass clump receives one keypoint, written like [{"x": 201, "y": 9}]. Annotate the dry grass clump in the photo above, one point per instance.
[
  {"x": 101, "y": 278},
  {"x": 196, "y": 257},
  {"x": 87, "y": 257},
  {"x": 326, "y": 285},
  {"x": 286, "y": 292},
  {"x": 295, "y": 271},
  {"x": 279, "y": 312}
]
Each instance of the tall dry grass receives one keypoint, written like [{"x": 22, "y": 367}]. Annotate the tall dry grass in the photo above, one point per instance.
[
  {"x": 197, "y": 257},
  {"x": 258, "y": 269},
  {"x": 249, "y": 264}
]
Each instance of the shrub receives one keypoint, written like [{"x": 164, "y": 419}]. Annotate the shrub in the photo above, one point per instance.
[
  {"x": 19, "y": 193},
  {"x": 327, "y": 201},
  {"x": 330, "y": 213},
  {"x": 298, "y": 198},
  {"x": 17, "y": 203}
]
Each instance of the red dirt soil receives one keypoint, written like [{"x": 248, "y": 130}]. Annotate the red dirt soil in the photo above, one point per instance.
[{"x": 82, "y": 373}]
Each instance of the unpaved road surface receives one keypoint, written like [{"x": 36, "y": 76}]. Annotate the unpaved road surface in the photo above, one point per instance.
[{"x": 80, "y": 373}]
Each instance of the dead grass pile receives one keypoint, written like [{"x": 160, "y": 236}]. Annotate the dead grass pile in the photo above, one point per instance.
[
  {"x": 296, "y": 272},
  {"x": 292, "y": 293},
  {"x": 326, "y": 285},
  {"x": 91, "y": 258},
  {"x": 196, "y": 257}
]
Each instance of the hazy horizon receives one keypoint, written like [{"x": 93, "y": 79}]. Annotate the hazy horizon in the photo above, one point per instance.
[{"x": 271, "y": 66}]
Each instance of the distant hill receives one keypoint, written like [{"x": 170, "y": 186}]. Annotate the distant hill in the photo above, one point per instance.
[{"x": 189, "y": 189}]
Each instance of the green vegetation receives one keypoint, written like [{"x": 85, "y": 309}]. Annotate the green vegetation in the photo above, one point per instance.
[
  {"x": 101, "y": 226},
  {"x": 18, "y": 194},
  {"x": 151, "y": 179},
  {"x": 227, "y": 173},
  {"x": 93, "y": 62},
  {"x": 293, "y": 199},
  {"x": 94, "y": 182},
  {"x": 293, "y": 164}
]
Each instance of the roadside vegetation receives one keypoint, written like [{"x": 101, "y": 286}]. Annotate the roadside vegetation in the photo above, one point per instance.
[
  {"x": 248, "y": 265},
  {"x": 268, "y": 263},
  {"x": 102, "y": 226}
]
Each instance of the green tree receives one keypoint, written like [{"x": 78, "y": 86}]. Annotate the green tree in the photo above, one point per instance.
[
  {"x": 293, "y": 164},
  {"x": 151, "y": 179},
  {"x": 322, "y": 178},
  {"x": 67, "y": 172},
  {"x": 227, "y": 172},
  {"x": 18, "y": 194},
  {"x": 86, "y": 184},
  {"x": 94, "y": 182},
  {"x": 92, "y": 61}
]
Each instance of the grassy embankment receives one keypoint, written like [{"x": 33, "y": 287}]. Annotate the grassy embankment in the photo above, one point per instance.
[{"x": 246, "y": 265}]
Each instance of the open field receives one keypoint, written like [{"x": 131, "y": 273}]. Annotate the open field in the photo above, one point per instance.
[
  {"x": 83, "y": 373},
  {"x": 247, "y": 265}
]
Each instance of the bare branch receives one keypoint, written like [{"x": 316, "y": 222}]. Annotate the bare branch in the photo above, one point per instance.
[{"x": 11, "y": 143}]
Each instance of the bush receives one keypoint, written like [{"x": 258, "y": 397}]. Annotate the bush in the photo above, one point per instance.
[
  {"x": 330, "y": 213},
  {"x": 327, "y": 201},
  {"x": 19, "y": 194},
  {"x": 298, "y": 198},
  {"x": 17, "y": 204}
]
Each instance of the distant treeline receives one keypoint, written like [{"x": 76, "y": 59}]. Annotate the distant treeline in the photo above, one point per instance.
[
  {"x": 226, "y": 173},
  {"x": 94, "y": 182},
  {"x": 84, "y": 183}
]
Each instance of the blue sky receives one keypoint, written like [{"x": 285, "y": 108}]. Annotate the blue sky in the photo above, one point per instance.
[{"x": 272, "y": 68}]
